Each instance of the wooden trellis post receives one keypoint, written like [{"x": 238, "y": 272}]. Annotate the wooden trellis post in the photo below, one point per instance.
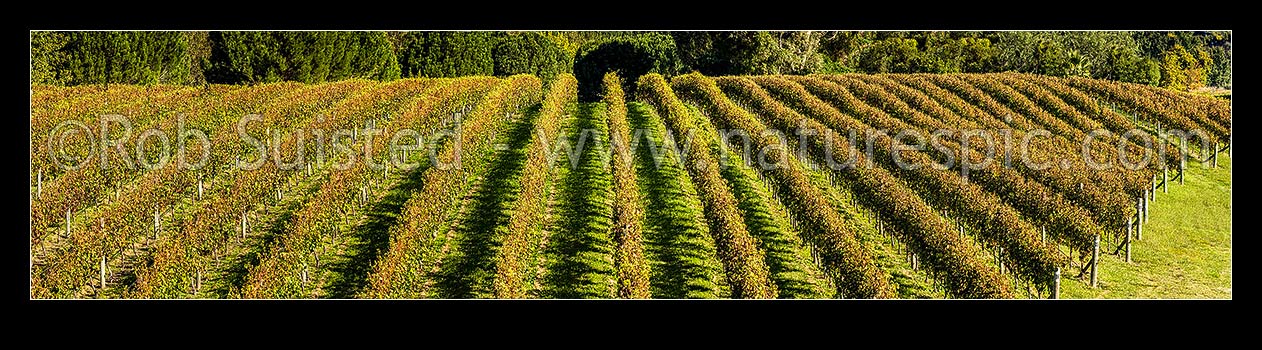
[
  {"x": 1127, "y": 243},
  {"x": 1056, "y": 284},
  {"x": 244, "y": 225},
  {"x": 1215, "y": 155},
  {"x": 102, "y": 292},
  {"x": 157, "y": 222},
  {"x": 1139, "y": 230},
  {"x": 39, "y": 184},
  {"x": 1095, "y": 262},
  {"x": 1183, "y": 158},
  {"x": 1165, "y": 188},
  {"x": 199, "y": 187},
  {"x": 1148, "y": 203},
  {"x": 999, "y": 258},
  {"x": 1140, "y": 203}
]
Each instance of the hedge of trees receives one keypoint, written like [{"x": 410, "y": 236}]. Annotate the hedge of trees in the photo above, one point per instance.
[
  {"x": 1176, "y": 60},
  {"x": 446, "y": 54},
  {"x": 309, "y": 57},
  {"x": 531, "y": 53},
  {"x": 73, "y": 58}
]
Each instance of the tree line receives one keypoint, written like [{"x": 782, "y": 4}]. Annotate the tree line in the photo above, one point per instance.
[
  {"x": 74, "y": 58},
  {"x": 1176, "y": 60}
]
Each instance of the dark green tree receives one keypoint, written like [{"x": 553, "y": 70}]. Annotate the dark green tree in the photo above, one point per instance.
[
  {"x": 976, "y": 55},
  {"x": 46, "y": 57},
  {"x": 890, "y": 55},
  {"x": 629, "y": 56},
  {"x": 1125, "y": 64},
  {"x": 122, "y": 58},
  {"x": 1220, "y": 73},
  {"x": 446, "y": 54},
  {"x": 530, "y": 53},
  {"x": 725, "y": 53},
  {"x": 310, "y": 57}
]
